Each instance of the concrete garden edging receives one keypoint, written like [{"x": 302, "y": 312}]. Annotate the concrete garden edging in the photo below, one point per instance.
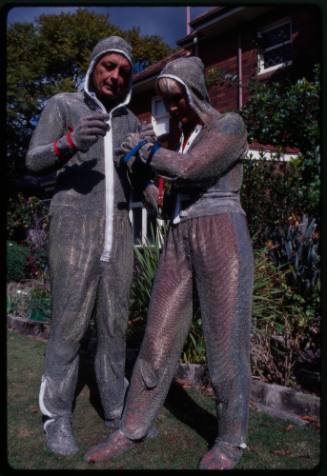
[
  {"x": 28, "y": 327},
  {"x": 276, "y": 400}
]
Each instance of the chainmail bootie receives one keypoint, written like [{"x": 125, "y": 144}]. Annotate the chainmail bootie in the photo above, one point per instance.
[
  {"x": 60, "y": 438},
  {"x": 222, "y": 455},
  {"x": 116, "y": 444}
]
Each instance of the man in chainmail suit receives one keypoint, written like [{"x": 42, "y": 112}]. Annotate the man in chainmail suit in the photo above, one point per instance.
[
  {"x": 90, "y": 242},
  {"x": 208, "y": 244}
]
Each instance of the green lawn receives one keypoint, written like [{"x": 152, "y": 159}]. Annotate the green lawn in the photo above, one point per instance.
[{"x": 186, "y": 424}]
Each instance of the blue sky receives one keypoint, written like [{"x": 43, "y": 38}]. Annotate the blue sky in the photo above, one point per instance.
[{"x": 168, "y": 22}]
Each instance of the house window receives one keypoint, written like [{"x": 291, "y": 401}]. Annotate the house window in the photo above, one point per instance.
[
  {"x": 275, "y": 49},
  {"x": 160, "y": 117}
]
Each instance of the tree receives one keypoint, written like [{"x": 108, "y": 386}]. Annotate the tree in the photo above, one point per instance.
[{"x": 50, "y": 56}]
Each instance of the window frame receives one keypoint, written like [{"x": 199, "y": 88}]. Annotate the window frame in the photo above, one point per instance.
[
  {"x": 160, "y": 116},
  {"x": 144, "y": 229},
  {"x": 133, "y": 205},
  {"x": 260, "y": 61}
]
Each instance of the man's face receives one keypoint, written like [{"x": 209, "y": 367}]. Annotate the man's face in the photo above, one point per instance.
[{"x": 111, "y": 75}]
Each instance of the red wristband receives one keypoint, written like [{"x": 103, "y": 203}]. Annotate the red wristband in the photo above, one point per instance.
[
  {"x": 70, "y": 140},
  {"x": 57, "y": 151}
]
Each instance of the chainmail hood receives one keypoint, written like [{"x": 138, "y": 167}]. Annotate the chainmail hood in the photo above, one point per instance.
[
  {"x": 112, "y": 44},
  {"x": 190, "y": 73}
]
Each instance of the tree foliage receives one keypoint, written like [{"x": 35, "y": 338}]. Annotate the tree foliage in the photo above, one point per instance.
[{"x": 50, "y": 56}]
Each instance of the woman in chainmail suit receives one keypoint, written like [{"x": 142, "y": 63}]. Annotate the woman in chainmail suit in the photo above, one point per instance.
[{"x": 208, "y": 244}]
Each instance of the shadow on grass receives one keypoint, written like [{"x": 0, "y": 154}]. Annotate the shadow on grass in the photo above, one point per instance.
[
  {"x": 86, "y": 377},
  {"x": 186, "y": 410},
  {"x": 178, "y": 401}
]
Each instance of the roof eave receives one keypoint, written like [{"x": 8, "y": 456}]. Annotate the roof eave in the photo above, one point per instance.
[
  {"x": 221, "y": 21},
  {"x": 144, "y": 80},
  {"x": 144, "y": 84}
]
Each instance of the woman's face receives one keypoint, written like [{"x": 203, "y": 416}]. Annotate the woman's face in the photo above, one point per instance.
[{"x": 176, "y": 103}]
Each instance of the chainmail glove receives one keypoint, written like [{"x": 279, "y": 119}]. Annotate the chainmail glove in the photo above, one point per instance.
[
  {"x": 133, "y": 138},
  {"x": 88, "y": 130},
  {"x": 129, "y": 142},
  {"x": 126, "y": 149}
]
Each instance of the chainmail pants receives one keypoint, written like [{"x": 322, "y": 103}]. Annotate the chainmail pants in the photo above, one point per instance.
[
  {"x": 215, "y": 252},
  {"x": 80, "y": 282}
]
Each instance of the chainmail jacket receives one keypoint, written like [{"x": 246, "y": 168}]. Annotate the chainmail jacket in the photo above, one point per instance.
[
  {"x": 90, "y": 245},
  {"x": 209, "y": 176},
  {"x": 80, "y": 182},
  {"x": 210, "y": 248}
]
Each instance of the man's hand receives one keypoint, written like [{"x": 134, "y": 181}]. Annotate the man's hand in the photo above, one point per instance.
[{"x": 89, "y": 129}]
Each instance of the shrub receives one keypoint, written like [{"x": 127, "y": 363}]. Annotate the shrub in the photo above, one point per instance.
[
  {"x": 37, "y": 239},
  {"x": 19, "y": 297},
  {"x": 146, "y": 262},
  {"x": 40, "y": 304},
  {"x": 27, "y": 223},
  {"x": 269, "y": 195},
  {"x": 295, "y": 248},
  {"x": 278, "y": 199},
  {"x": 29, "y": 299},
  {"x": 22, "y": 213},
  {"x": 284, "y": 114},
  {"x": 284, "y": 331},
  {"x": 281, "y": 325},
  {"x": 17, "y": 256}
]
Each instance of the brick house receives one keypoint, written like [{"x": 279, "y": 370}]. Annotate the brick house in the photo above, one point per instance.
[{"x": 235, "y": 44}]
